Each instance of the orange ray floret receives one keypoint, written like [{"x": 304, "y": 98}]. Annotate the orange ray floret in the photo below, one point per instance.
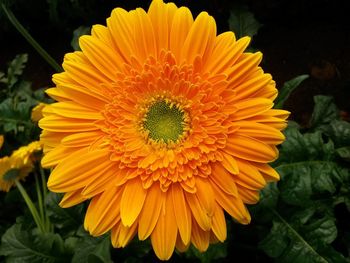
[{"x": 164, "y": 125}]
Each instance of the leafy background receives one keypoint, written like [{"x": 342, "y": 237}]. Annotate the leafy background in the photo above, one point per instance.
[{"x": 302, "y": 218}]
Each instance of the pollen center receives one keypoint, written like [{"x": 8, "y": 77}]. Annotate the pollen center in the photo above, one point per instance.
[{"x": 164, "y": 121}]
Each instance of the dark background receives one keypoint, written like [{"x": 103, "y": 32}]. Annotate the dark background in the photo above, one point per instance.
[{"x": 297, "y": 37}]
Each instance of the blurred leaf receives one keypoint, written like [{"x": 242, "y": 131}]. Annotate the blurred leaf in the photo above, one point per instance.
[
  {"x": 296, "y": 184},
  {"x": 243, "y": 23},
  {"x": 22, "y": 246},
  {"x": 77, "y": 33},
  {"x": 288, "y": 87},
  {"x": 344, "y": 152},
  {"x": 274, "y": 244},
  {"x": 15, "y": 69},
  {"x": 339, "y": 132},
  {"x": 324, "y": 112},
  {"x": 289, "y": 243},
  {"x": 92, "y": 250},
  {"x": 67, "y": 220},
  {"x": 269, "y": 195}
]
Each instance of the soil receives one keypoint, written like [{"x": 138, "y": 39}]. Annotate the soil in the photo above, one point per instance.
[{"x": 297, "y": 37}]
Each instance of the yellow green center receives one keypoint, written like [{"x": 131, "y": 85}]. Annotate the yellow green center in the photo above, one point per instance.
[{"x": 164, "y": 121}]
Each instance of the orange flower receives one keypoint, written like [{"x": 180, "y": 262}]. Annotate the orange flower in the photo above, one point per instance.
[{"x": 163, "y": 125}]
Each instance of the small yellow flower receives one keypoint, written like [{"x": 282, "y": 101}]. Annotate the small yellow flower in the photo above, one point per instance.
[
  {"x": 37, "y": 113},
  {"x": 21, "y": 163}
]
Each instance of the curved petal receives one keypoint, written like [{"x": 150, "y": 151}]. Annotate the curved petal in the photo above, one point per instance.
[
  {"x": 182, "y": 213},
  {"x": 104, "y": 211},
  {"x": 150, "y": 211},
  {"x": 200, "y": 39},
  {"x": 133, "y": 198},
  {"x": 164, "y": 235},
  {"x": 250, "y": 149},
  {"x": 180, "y": 27},
  {"x": 76, "y": 171}
]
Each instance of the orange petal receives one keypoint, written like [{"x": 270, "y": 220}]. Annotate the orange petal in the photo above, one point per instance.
[
  {"x": 219, "y": 223},
  {"x": 104, "y": 58},
  {"x": 81, "y": 139},
  {"x": 230, "y": 163},
  {"x": 248, "y": 196},
  {"x": 249, "y": 88},
  {"x": 182, "y": 213},
  {"x": 200, "y": 38},
  {"x": 145, "y": 44},
  {"x": 200, "y": 238},
  {"x": 232, "y": 205},
  {"x": 199, "y": 212},
  {"x": 250, "y": 149},
  {"x": 105, "y": 212},
  {"x": 222, "y": 178},
  {"x": 121, "y": 235},
  {"x": 72, "y": 198},
  {"x": 260, "y": 131},
  {"x": 61, "y": 124},
  {"x": 164, "y": 236},
  {"x": 249, "y": 176},
  {"x": 57, "y": 155},
  {"x": 243, "y": 67},
  {"x": 226, "y": 52},
  {"x": 121, "y": 26},
  {"x": 150, "y": 211},
  {"x": 269, "y": 174},
  {"x": 180, "y": 27},
  {"x": 78, "y": 170},
  {"x": 161, "y": 16},
  {"x": 251, "y": 107},
  {"x": 132, "y": 201}
]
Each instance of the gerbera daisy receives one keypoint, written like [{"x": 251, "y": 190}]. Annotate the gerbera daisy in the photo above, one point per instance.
[{"x": 164, "y": 125}]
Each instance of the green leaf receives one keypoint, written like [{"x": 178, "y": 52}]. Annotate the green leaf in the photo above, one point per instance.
[
  {"x": 339, "y": 132},
  {"x": 15, "y": 68},
  {"x": 243, "y": 23},
  {"x": 325, "y": 111},
  {"x": 274, "y": 243},
  {"x": 19, "y": 245},
  {"x": 287, "y": 88},
  {"x": 296, "y": 186},
  {"x": 344, "y": 152},
  {"x": 320, "y": 231},
  {"x": 286, "y": 244},
  {"x": 269, "y": 195},
  {"x": 77, "y": 33},
  {"x": 65, "y": 219},
  {"x": 92, "y": 250}
]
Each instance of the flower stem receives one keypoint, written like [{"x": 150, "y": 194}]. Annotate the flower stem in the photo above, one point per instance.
[
  {"x": 30, "y": 205},
  {"x": 46, "y": 219},
  {"x": 30, "y": 39},
  {"x": 40, "y": 198}
]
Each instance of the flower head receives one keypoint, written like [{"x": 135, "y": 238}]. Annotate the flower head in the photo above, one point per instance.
[
  {"x": 18, "y": 165},
  {"x": 164, "y": 125}
]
